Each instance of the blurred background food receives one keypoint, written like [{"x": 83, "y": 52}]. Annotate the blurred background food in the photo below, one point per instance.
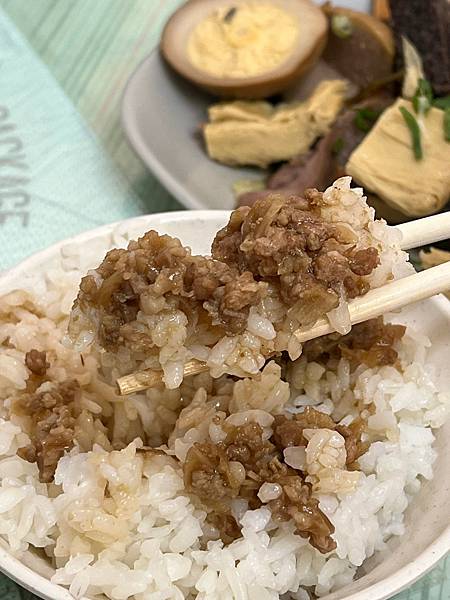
[
  {"x": 367, "y": 96},
  {"x": 426, "y": 25},
  {"x": 360, "y": 46},
  {"x": 259, "y": 133},
  {"x": 244, "y": 49}
]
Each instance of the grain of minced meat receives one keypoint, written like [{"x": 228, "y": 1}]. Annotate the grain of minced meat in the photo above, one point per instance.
[
  {"x": 37, "y": 362},
  {"x": 277, "y": 484}
]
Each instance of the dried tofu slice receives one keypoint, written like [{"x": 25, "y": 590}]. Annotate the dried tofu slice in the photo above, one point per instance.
[{"x": 384, "y": 162}]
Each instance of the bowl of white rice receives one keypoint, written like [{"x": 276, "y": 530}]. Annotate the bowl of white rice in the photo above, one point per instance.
[{"x": 120, "y": 517}]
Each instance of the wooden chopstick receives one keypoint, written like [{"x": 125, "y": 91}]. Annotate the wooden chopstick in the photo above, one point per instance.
[
  {"x": 425, "y": 231},
  {"x": 387, "y": 298},
  {"x": 401, "y": 292},
  {"x": 143, "y": 380}
]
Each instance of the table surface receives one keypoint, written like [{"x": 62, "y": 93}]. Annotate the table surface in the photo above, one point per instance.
[{"x": 91, "y": 48}]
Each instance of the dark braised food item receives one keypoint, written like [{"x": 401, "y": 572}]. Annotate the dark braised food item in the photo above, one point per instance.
[
  {"x": 285, "y": 238},
  {"x": 289, "y": 432},
  {"x": 359, "y": 46},
  {"x": 243, "y": 68},
  {"x": 427, "y": 26},
  {"x": 162, "y": 262}
]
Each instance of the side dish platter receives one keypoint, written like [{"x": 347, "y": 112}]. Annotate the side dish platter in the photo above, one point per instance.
[
  {"x": 160, "y": 112},
  {"x": 355, "y": 93}
]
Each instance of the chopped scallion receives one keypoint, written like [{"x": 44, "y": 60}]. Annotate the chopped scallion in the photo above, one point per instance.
[
  {"x": 365, "y": 118},
  {"x": 413, "y": 127},
  {"x": 423, "y": 98},
  {"x": 341, "y": 26},
  {"x": 442, "y": 103},
  {"x": 337, "y": 146}
]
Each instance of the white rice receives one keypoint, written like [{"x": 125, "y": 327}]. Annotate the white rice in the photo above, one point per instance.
[{"x": 117, "y": 521}]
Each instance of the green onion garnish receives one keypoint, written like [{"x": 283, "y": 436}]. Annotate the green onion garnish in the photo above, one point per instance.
[
  {"x": 413, "y": 127},
  {"x": 423, "y": 98},
  {"x": 341, "y": 26},
  {"x": 338, "y": 146},
  {"x": 365, "y": 118},
  {"x": 442, "y": 103},
  {"x": 447, "y": 124}
]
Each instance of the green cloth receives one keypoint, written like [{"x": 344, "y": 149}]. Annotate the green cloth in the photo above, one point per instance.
[
  {"x": 54, "y": 179},
  {"x": 60, "y": 178}
]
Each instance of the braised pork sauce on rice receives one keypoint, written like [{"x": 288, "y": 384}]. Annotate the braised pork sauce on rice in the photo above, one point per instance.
[
  {"x": 274, "y": 268},
  {"x": 278, "y": 483}
]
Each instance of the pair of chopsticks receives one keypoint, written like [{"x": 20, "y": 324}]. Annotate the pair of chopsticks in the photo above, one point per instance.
[{"x": 376, "y": 302}]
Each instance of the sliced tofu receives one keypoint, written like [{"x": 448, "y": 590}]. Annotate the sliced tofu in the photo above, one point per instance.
[
  {"x": 384, "y": 162},
  {"x": 256, "y": 133}
]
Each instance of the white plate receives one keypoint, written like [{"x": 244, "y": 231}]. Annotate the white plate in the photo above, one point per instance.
[
  {"x": 161, "y": 115},
  {"x": 427, "y": 536}
]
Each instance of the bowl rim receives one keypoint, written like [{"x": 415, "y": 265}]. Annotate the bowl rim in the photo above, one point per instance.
[{"x": 26, "y": 577}]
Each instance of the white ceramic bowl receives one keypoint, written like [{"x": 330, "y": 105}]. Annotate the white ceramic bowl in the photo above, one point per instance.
[{"x": 427, "y": 536}]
